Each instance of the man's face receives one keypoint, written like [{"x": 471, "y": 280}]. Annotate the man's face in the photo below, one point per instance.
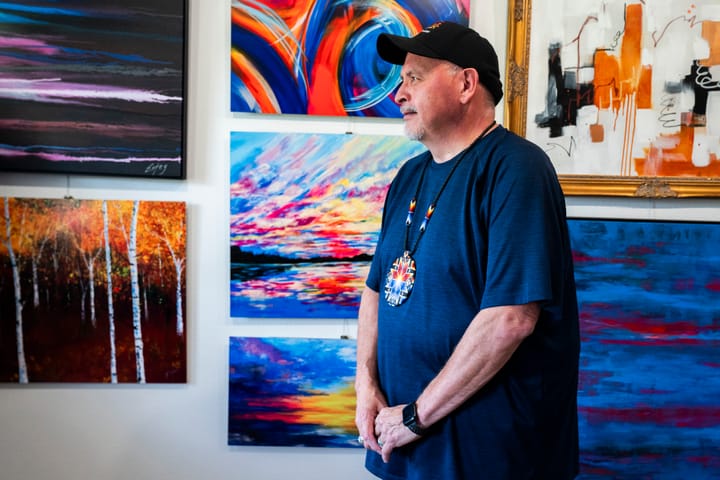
[{"x": 428, "y": 95}]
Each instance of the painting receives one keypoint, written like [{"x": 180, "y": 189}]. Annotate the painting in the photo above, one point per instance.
[
  {"x": 305, "y": 212},
  {"x": 92, "y": 291},
  {"x": 93, "y": 87},
  {"x": 319, "y": 58},
  {"x": 292, "y": 392},
  {"x": 648, "y": 293},
  {"x": 624, "y": 96}
]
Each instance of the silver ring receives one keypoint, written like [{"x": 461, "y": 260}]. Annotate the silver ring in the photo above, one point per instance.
[
  {"x": 381, "y": 443},
  {"x": 361, "y": 439}
]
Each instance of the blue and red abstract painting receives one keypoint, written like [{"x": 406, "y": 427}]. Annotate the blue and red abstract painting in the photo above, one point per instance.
[
  {"x": 93, "y": 87},
  {"x": 292, "y": 392},
  {"x": 305, "y": 212},
  {"x": 649, "y": 397},
  {"x": 319, "y": 57}
]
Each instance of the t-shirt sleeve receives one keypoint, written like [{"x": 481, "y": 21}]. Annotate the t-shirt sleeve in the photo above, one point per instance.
[
  {"x": 375, "y": 275},
  {"x": 525, "y": 233},
  {"x": 373, "y": 279}
]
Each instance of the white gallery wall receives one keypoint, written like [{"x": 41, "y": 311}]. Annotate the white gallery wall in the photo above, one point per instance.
[{"x": 98, "y": 432}]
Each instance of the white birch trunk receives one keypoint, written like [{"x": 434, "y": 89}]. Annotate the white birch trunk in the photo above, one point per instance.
[
  {"x": 178, "y": 298},
  {"x": 160, "y": 269},
  {"x": 83, "y": 296},
  {"x": 145, "y": 301},
  {"x": 89, "y": 261},
  {"x": 36, "y": 291},
  {"x": 111, "y": 308},
  {"x": 36, "y": 256},
  {"x": 179, "y": 266},
  {"x": 91, "y": 281},
  {"x": 22, "y": 365},
  {"x": 135, "y": 294}
]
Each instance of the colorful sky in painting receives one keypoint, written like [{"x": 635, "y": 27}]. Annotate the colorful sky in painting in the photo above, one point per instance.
[
  {"x": 92, "y": 87},
  {"x": 292, "y": 391},
  {"x": 319, "y": 57},
  {"x": 311, "y": 195},
  {"x": 637, "y": 87}
]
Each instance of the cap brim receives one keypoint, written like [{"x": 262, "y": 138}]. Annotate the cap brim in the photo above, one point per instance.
[{"x": 394, "y": 48}]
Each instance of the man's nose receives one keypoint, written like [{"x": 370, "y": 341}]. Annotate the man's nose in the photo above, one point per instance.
[{"x": 400, "y": 94}]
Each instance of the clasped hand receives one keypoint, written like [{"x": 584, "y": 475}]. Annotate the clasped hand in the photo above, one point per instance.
[{"x": 388, "y": 432}]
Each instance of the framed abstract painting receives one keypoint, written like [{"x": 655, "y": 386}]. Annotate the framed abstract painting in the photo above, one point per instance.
[
  {"x": 92, "y": 291},
  {"x": 305, "y": 212},
  {"x": 623, "y": 96},
  {"x": 93, "y": 87},
  {"x": 292, "y": 392},
  {"x": 319, "y": 58},
  {"x": 648, "y": 293}
]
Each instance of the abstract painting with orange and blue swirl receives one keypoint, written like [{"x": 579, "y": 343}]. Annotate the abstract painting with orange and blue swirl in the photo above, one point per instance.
[
  {"x": 292, "y": 392},
  {"x": 305, "y": 212},
  {"x": 93, "y": 87},
  {"x": 319, "y": 57},
  {"x": 649, "y": 298}
]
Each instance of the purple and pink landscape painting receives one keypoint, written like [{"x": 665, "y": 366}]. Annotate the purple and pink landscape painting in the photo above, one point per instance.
[{"x": 93, "y": 87}]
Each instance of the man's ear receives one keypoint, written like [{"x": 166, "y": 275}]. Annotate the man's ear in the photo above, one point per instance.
[{"x": 471, "y": 83}]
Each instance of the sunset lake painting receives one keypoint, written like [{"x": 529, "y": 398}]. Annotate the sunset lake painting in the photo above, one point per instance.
[
  {"x": 292, "y": 392},
  {"x": 305, "y": 213}
]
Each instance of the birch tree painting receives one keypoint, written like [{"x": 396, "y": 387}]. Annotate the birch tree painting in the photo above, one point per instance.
[{"x": 91, "y": 291}]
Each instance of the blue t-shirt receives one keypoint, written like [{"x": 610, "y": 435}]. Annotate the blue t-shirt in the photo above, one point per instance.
[{"x": 498, "y": 236}]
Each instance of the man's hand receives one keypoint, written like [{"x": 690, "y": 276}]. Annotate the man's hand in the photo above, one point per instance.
[
  {"x": 370, "y": 401},
  {"x": 391, "y": 432}
]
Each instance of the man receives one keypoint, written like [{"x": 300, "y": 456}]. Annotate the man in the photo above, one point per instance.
[{"x": 468, "y": 340}]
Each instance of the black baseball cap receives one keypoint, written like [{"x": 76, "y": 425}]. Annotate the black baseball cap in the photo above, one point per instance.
[{"x": 449, "y": 41}]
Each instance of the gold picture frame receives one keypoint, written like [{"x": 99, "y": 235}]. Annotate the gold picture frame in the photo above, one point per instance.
[{"x": 516, "y": 111}]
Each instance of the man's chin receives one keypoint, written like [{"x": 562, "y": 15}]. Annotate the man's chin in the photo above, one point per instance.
[{"x": 413, "y": 133}]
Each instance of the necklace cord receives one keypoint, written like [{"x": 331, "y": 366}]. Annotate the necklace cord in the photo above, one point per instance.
[{"x": 431, "y": 207}]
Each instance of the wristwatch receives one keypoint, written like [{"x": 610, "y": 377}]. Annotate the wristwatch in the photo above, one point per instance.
[{"x": 410, "y": 419}]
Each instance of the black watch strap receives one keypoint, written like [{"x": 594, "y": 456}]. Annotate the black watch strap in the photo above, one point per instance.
[{"x": 410, "y": 419}]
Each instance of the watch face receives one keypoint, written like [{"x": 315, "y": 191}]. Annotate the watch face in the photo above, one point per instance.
[{"x": 409, "y": 413}]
